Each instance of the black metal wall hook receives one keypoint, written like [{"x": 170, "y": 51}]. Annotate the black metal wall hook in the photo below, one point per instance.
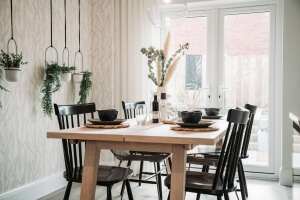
[
  {"x": 79, "y": 40},
  {"x": 81, "y": 60},
  {"x": 51, "y": 45},
  {"x": 12, "y": 39},
  {"x": 46, "y": 53},
  {"x": 12, "y": 29},
  {"x": 65, "y": 49}
]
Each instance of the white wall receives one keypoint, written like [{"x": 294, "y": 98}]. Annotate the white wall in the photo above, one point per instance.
[
  {"x": 27, "y": 157},
  {"x": 291, "y": 83}
]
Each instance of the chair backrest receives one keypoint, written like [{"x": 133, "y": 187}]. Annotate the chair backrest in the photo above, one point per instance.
[
  {"x": 70, "y": 116},
  {"x": 252, "y": 110},
  {"x": 227, "y": 164},
  {"x": 129, "y": 107}
]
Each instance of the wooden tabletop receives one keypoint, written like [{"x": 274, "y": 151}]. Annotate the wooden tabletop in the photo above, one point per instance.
[
  {"x": 150, "y": 133},
  {"x": 164, "y": 134}
]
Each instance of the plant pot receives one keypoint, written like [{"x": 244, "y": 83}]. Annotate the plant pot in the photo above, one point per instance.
[
  {"x": 12, "y": 74},
  {"x": 77, "y": 77},
  {"x": 66, "y": 77},
  {"x": 159, "y": 91}
]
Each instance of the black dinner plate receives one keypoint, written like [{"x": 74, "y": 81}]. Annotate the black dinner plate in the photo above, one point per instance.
[
  {"x": 211, "y": 117},
  {"x": 201, "y": 124},
  {"x": 99, "y": 122}
]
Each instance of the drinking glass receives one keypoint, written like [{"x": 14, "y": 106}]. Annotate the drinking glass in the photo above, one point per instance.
[{"x": 141, "y": 113}]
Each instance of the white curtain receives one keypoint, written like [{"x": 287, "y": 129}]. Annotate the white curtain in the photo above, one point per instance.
[{"x": 133, "y": 31}]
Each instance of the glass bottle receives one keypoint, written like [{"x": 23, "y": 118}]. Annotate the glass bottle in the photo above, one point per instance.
[
  {"x": 155, "y": 110},
  {"x": 163, "y": 107}
]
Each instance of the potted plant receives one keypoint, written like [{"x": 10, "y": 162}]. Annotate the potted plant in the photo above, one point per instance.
[
  {"x": 85, "y": 86},
  {"x": 11, "y": 63},
  {"x": 66, "y": 73},
  {"x": 50, "y": 85},
  {"x": 77, "y": 77}
]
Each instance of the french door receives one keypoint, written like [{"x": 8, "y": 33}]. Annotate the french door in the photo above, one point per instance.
[{"x": 230, "y": 63}]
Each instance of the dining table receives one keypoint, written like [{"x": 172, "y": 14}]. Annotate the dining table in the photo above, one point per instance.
[{"x": 153, "y": 137}]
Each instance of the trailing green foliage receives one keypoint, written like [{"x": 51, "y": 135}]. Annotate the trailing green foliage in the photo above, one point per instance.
[
  {"x": 85, "y": 86},
  {"x": 51, "y": 85},
  {"x": 65, "y": 69},
  {"x": 155, "y": 55},
  {"x": 11, "y": 60}
]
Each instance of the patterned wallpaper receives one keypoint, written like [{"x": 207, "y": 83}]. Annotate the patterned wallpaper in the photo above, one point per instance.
[{"x": 26, "y": 155}]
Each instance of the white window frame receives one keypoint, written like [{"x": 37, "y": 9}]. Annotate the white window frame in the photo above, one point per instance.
[{"x": 214, "y": 61}]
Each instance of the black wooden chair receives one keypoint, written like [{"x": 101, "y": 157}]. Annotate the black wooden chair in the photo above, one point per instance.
[
  {"x": 70, "y": 116},
  {"x": 209, "y": 157},
  {"x": 156, "y": 158},
  {"x": 222, "y": 181}
]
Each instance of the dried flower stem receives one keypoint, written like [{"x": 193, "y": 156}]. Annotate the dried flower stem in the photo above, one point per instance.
[{"x": 171, "y": 70}]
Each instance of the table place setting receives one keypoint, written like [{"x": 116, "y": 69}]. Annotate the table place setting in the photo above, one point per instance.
[
  {"x": 107, "y": 120},
  {"x": 192, "y": 121}
]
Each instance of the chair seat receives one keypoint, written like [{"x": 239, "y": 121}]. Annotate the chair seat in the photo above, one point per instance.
[
  {"x": 201, "y": 160},
  {"x": 107, "y": 175},
  {"x": 201, "y": 182},
  {"x": 147, "y": 156}
]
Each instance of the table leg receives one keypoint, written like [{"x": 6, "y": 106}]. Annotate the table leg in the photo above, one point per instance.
[
  {"x": 178, "y": 172},
  {"x": 219, "y": 144},
  {"x": 90, "y": 171}
]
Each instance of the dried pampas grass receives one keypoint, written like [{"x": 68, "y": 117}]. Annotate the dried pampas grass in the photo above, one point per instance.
[
  {"x": 171, "y": 70},
  {"x": 167, "y": 45},
  {"x": 158, "y": 66}
]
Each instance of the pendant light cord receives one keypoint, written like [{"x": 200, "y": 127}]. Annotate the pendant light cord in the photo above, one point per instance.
[
  {"x": 51, "y": 22},
  {"x": 79, "y": 23},
  {"x": 65, "y": 4},
  {"x": 51, "y": 46},
  {"x": 12, "y": 29},
  {"x": 11, "y": 13}
]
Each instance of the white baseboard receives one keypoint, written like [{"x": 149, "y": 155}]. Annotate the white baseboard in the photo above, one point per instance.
[{"x": 36, "y": 189}]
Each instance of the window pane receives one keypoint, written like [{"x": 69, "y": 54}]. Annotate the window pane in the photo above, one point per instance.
[
  {"x": 246, "y": 73},
  {"x": 190, "y": 77}
]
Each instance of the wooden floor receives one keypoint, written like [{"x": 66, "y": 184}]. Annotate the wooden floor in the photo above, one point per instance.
[{"x": 258, "y": 190}]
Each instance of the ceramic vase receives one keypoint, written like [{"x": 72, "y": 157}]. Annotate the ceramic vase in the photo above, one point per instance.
[
  {"x": 12, "y": 74},
  {"x": 66, "y": 77},
  {"x": 77, "y": 77}
]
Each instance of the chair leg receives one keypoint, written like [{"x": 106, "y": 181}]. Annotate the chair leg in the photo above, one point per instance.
[
  {"x": 123, "y": 185},
  {"x": 244, "y": 178},
  {"x": 141, "y": 172},
  {"x": 205, "y": 168},
  {"x": 226, "y": 196},
  {"x": 158, "y": 183},
  {"x": 241, "y": 181},
  {"x": 219, "y": 197},
  {"x": 159, "y": 180},
  {"x": 109, "y": 197},
  {"x": 129, "y": 191},
  {"x": 68, "y": 190},
  {"x": 198, "y": 196}
]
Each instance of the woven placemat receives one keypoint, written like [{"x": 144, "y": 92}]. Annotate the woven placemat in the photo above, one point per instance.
[
  {"x": 179, "y": 128},
  {"x": 123, "y": 125}
]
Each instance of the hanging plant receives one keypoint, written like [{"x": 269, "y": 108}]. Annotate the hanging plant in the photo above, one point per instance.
[
  {"x": 66, "y": 73},
  {"x": 11, "y": 63},
  {"x": 50, "y": 85},
  {"x": 85, "y": 86}
]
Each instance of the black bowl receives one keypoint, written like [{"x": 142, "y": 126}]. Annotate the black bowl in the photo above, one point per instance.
[
  {"x": 193, "y": 117},
  {"x": 212, "y": 111},
  {"x": 108, "y": 115}
]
